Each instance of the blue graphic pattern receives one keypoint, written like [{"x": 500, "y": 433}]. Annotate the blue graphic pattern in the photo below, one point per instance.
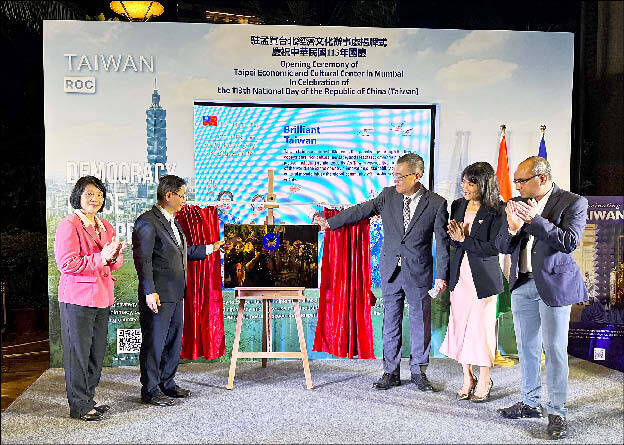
[{"x": 338, "y": 156}]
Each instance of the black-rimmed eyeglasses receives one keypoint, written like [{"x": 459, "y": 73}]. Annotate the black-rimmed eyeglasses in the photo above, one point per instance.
[{"x": 524, "y": 181}]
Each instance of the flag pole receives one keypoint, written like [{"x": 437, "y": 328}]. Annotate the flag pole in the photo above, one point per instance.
[
  {"x": 543, "y": 130},
  {"x": 499, "y": 359},
  {"x": 541, "y": 152}
]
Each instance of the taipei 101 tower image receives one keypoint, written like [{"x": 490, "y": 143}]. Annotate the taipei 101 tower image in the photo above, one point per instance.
[
  {"x": 156, "y": 121},
  {"x": 156, "y": 130}
]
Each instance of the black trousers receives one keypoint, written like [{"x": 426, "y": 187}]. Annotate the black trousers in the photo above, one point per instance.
[
  {"x": 160, "y": 347},
  {"x": 84, "y": 335}
]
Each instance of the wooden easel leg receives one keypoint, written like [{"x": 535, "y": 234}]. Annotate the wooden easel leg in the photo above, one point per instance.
[
  {"x": 269, "y": 325},
  {"x": 239, "y": 324},
  {"x": 264, "y": 330},
  {"x": 302, "y": 345}
]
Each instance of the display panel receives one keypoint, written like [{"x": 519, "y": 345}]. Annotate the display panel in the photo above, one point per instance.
[{"x": 321, "y": 156}]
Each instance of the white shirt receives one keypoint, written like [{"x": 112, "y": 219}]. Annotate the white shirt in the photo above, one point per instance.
[
  {"x": 415, "y": 198},
  {"x": 171, "y": 220},
  {"x": 87, "y": 222},
  {"x": 176, "y": 233},
  {"x": 525, "y": 255}
]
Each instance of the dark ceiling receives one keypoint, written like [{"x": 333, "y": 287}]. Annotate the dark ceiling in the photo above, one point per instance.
[{"x": 523, "y": 16}]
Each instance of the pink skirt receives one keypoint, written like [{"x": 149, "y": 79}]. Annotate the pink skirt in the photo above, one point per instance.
[{"x": 471, "y": 332}]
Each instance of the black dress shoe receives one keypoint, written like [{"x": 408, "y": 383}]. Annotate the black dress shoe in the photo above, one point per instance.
[
  {"x": 102, "y": 408},
  {"x": 90, "y": 417},
  {"x": 177, "y": 392},
  {"x": 422, "y": 382},
  {"x": 557, "y": 427},
  {"x": 520, "y": 410},
  {"x": 158, "y": 400},
  {"x": 387, "y": 380}
]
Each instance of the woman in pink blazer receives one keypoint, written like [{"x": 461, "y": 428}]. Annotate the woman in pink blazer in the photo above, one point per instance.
[{"x": 86, "y": 252}]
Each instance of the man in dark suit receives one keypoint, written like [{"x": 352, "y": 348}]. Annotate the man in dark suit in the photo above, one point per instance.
[
  {"x": 542, "y": 229},
  {"x": 160, "y": 256},
  {"x": 410, "y": 214}
]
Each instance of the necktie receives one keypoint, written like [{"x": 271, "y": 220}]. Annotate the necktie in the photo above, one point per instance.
[
  {"x": 175, "y": 232},
  {"x": 406, "y": 212}
]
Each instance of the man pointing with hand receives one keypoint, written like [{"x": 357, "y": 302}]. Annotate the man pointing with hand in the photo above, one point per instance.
[{"x": 160, "y": 256}]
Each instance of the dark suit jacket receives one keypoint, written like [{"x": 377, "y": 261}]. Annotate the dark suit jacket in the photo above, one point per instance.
[
  {"x": 557, "y": 231},
  {"x": 480, "y": 247},
  {"x": 413, "y": 246},
  {"x": 160, "y": 263}
]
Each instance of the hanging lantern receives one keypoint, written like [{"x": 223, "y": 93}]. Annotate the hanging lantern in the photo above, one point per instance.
[{"x": 137, "y": 11}]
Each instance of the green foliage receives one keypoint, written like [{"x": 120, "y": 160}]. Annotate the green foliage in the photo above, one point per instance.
[{"x": 56, "y": 354}]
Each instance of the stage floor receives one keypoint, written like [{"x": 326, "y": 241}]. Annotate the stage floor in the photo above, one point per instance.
[{"x": 272, "y": 405}]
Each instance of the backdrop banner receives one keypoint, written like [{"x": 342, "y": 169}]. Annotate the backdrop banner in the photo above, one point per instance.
[
  {"x": 597, "y": 327},
  {"x": 329, "y": 109}
]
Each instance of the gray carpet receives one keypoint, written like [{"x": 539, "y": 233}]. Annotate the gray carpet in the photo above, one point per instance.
[{"x": 272, "y": 405}]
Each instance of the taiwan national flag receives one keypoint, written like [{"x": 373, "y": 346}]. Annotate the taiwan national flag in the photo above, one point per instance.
[
  {"x": 542, "y": 148},
  {"x": 210, "y": 120}
]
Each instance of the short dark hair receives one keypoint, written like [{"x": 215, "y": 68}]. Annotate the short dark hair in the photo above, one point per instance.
[
  {"x": 482, "y": 174},
  {"x": 414, "y": 161},
  {"x": 81, "y": 184},
  {"x": 168, "y": 183}
]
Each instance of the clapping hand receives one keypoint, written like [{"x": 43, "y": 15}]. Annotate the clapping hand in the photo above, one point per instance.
[
  {"x": 456, "y": 231},
  {"x": 107, "y": 251},
  {"x": 120, "y": 246},
  {"x": 526, "y": 210},
  {"x": 111, "y": 251},
  {"x": 514, "y": 220}
]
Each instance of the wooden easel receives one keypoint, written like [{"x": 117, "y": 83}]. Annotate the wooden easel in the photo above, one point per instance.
[{"x": 267, "y": 295}]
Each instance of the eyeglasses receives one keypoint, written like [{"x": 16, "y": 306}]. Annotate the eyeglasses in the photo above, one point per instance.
[
  {"x": 180, "y": 196},
  {"x": 399, "y": 178},
  {"x": 91, "y": 195},
  {"x": 524, "y": 181}
]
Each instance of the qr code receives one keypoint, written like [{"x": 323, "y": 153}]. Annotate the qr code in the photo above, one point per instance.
[
  {"x": 599, "y": 354},
  {"x": 128, "y": 341}
]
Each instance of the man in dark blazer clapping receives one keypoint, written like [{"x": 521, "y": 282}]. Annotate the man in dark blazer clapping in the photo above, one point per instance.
[
  {"x": 542, "y": 229},
  {"x": 411, "y": 215},
  {"x": 160, "y": 254}
]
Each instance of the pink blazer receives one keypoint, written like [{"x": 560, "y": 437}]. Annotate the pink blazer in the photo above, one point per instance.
[{"x": 85, "y": 281}]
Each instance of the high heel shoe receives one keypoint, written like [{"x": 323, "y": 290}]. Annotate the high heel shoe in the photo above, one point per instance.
[
  {"x": 485, "y": 398},
  {"x": 466, "y": 396}
]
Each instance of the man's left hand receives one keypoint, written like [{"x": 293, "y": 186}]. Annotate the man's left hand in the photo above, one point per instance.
[{"x": 440, "y": 284}]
